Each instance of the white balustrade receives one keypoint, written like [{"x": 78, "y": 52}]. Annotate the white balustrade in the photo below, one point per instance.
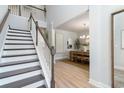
[{"x": 26, "y": 10}]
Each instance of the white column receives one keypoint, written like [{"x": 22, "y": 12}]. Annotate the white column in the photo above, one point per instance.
[{"x": 100, "y": 46}]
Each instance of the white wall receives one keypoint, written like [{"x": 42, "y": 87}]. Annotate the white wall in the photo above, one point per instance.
[
  {"x": 3, "y": 10},
  {"x": 58, "y": 14},
  {"x": 100, "y": 44},
  {"x": 42, "y": 24},
  {"x": 119, "y": 52},
  {"x": 18, "y": 22},
  {"x": 66, "y": 36}
]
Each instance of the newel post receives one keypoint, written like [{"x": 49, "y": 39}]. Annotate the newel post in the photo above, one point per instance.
[
  {"x": 30, "y": 20},
  {"x": 19, "y": 10},
  {"x": 52, "y": 67},
  {"x": 36, "y": 33}
]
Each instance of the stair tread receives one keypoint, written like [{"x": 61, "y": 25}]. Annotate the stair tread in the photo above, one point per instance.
[
  {"x": 11, "y": 41},
  {"x": 18, "y": 58},
  {"x": 19, "y": 71},
  {"x": 18, "y": 62},
  {"x": 18, "y": 52},
  {"x": 19, "y": 39},
  {"x": 19, "y": 43},
  {"x": 19, "y": 49},
  {"x": 17, "y": 32},
  {"x": 24, "y": 82},
  {"x": 5, "y": 56},
  {"x": 18, "y": 35},
  {"x": 18, "y": 46},
  {"x": 43, "y": 86},
  {"x": 19, "y": 29}
]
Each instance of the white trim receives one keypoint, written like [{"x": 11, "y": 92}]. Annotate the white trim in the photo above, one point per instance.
[
  {"x": 98, "y": 84},
  {"x": 41, "y": 59},
  {"x": 59, "y": 58},
  {"x": 17, "y": 67},
  {"x": 119, "y": 68}
]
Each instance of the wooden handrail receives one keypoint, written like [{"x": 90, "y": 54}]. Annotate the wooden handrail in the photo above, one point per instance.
[
  {"x": 37, "y": 8},
  {"x": 44, "y": 10},
  {"x": 51, "y": 48},
  {"x": 37, "y": 27},
  {"x": 19, "y": 10},
  {"x": 4, "y": 20}
]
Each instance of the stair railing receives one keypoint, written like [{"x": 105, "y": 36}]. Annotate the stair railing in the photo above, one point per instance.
[
  {"x": 45, "y": 51},
  {"x": 14, "y": 9},
  {"x": 4, "y": 20},
  {"x": 25, "y": 10}
]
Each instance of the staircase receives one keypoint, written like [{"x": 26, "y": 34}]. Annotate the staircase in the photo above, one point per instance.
[{"x": 20, "y": 66}]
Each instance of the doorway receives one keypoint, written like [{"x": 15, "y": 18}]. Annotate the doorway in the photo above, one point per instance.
[{"x": 72, "y": 53}]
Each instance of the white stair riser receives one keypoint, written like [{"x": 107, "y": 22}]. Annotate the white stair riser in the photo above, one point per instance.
[
  {"x": 19, "y": 34},
  {"x": 19, "y": 58},
  {"x": 17, "y": 67},
  {"x": 20, "y": 31},
  {"x": 16, "y": 41},
  {"x": 13, "y": 37},
  {"x": 18, "y": 46},
  {"x": 19, "y": 77},
  {"x": 16, "y": 52}
]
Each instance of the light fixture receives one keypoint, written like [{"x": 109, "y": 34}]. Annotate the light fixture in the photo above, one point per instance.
[
  {"x": 87, "y": 36},
  {"x": 84, "y": 28},
  {"x": 83, "y": 37}
]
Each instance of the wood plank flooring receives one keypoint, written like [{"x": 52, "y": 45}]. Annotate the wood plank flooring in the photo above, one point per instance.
[
  {"x": 71, "y": 75},
  {"x": 119, "y": 78}
]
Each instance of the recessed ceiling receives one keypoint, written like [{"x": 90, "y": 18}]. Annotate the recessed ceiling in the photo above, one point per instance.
[{"x": 77, "y": 24}]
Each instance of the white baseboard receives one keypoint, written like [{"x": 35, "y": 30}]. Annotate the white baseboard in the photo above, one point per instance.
[
  {"x": 59, "y": 58},
  {"x": 98, "y": 84},
  {"x": 119, "y": 68}
]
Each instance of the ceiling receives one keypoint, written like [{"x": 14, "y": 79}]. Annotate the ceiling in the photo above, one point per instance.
[{"x": 76, "y": 24}]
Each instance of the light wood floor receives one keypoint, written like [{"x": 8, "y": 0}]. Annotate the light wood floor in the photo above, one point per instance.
[
  {"x": 71, "y": 75},
  {"x": 119, "y": 78}
]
